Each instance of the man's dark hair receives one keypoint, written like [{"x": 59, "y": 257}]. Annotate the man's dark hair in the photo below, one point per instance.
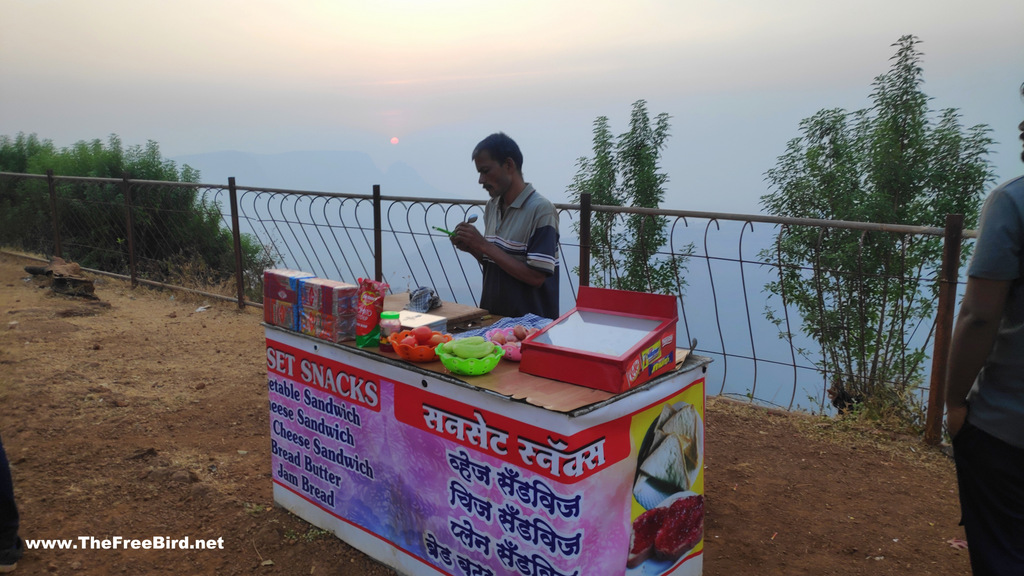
[{"x": 500, "y": 147}]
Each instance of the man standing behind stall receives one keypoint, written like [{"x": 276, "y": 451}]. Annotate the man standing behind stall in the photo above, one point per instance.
[{"x": 519, "y": 247}]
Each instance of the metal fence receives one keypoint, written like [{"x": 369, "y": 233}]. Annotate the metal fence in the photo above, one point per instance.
[{"x": 127, "y": 225}]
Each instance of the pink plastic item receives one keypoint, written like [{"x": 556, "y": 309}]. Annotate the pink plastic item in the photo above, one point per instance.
[{"x": 513, "y": 350}]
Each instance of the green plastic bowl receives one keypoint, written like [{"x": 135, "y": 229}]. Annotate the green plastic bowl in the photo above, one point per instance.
[{"x": 469, "y": 366}]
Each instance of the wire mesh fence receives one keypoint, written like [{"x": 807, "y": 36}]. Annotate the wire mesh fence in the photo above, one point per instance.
[{"x": 737, "y": 294}]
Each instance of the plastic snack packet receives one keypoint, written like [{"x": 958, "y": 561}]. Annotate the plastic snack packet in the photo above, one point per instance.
[{"x": 371, "y": 304}]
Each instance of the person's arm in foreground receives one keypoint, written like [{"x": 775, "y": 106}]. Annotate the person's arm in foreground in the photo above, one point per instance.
[
  {"x": 973, "y": 338},
  {"x": 468, "y": 238}
]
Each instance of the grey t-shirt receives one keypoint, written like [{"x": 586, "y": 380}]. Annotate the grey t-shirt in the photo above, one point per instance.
[
  {"x": 528, "y": 231},
  {"x": 997, "y": 398}
]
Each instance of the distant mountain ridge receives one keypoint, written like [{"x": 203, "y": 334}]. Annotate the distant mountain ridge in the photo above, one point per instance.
[{"x": 320, "y": 171}]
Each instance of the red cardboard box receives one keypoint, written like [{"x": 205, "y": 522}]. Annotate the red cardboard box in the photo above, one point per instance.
[
  {"x": 613, "y": 340},
  {"x": 327, "y": 309},
  {"x": 281, "y": 296},
  {"x": 327, "y": 326},
  {"x": 328, "y": 297}
]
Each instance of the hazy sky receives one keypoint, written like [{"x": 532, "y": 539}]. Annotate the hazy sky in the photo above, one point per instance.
[{"x": 269, "y": 76}]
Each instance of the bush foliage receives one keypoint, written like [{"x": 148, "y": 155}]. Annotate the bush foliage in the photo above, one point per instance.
[{"x": 173, "y": 227}]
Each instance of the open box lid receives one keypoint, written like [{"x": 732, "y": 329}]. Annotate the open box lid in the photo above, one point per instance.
[
  {"x": 612, "y": 340},
  {"x": 625, "y": 302}
]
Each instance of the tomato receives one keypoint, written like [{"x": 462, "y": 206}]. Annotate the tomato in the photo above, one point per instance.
[
  {"x": 409, "y": 341},
  {"x": 422, "y": 334}
]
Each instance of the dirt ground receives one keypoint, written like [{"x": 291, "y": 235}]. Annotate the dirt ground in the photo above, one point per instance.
[{"x": 145, "y": 413}]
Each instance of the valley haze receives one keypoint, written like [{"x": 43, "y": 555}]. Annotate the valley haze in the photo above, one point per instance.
[{"x": 315, "y": 171}]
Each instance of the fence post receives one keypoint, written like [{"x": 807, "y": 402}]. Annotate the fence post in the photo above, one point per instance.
[
  {"x": 237, "y": 236},
  {"x": 378, "y": 256},
  {"x": 126, "y": 189},
  {"x": 54, "y": 219},
  {"x": 585, "y": 214},
  {"x": 944, "y": 326}
]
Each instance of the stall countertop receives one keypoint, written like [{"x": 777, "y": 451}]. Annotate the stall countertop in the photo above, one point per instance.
[{"x": 506, "y": 380}]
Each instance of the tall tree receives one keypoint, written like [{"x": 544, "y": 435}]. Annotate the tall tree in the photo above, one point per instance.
[
  {"x": 627, "y": 253},
  {"x": 862, "y": 296}
]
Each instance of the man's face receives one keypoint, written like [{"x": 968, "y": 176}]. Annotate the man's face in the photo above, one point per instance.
[{"x": 494, "y": 177}]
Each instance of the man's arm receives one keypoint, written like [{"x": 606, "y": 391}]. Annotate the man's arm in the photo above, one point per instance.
[
  {"x": 973, "y": 338},
  {"x": 469, "y": 239}
]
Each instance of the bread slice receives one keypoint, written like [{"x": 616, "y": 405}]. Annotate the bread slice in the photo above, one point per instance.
[
  {"x": 683, "y": 423},
  {"x": 666, "y": 463},
  {"x": 641, "y": 541},
  {"x": 682, "y": 527},
  {"x": 649, "y": 492}
]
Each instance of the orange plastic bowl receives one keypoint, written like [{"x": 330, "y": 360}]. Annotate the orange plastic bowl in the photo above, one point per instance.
[{"x": 418, "y": 353}]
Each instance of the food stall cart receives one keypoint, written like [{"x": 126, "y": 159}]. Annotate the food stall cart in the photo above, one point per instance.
[{"x": 505, "y": 473}]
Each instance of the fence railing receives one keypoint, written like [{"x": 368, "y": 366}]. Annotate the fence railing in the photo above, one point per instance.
[{"x": 127, "y": 227}]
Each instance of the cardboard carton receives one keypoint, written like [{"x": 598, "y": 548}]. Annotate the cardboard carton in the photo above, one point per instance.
[
  {"x": 327, "y": 309},
  {"x": 281, "y": 296},
  {"x": 613, "y": 340}
]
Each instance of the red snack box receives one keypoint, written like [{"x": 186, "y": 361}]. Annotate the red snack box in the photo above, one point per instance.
[
  {"x": 613, "y": 340},
  {"x": 281, "y": 296},
  {"x": 346, "y": 300},
  {"x": 326, "y": 326},
  {"x": 328, "y": 297},
  {"x": 327, "y": 309}
]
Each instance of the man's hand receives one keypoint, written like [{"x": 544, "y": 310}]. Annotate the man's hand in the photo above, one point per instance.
[
  {"x": 955, "y": 418},
  {"x": 467, "y": 238}
]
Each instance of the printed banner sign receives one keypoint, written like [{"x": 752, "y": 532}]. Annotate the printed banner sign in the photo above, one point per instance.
[{"x": 473, "y": 492}]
